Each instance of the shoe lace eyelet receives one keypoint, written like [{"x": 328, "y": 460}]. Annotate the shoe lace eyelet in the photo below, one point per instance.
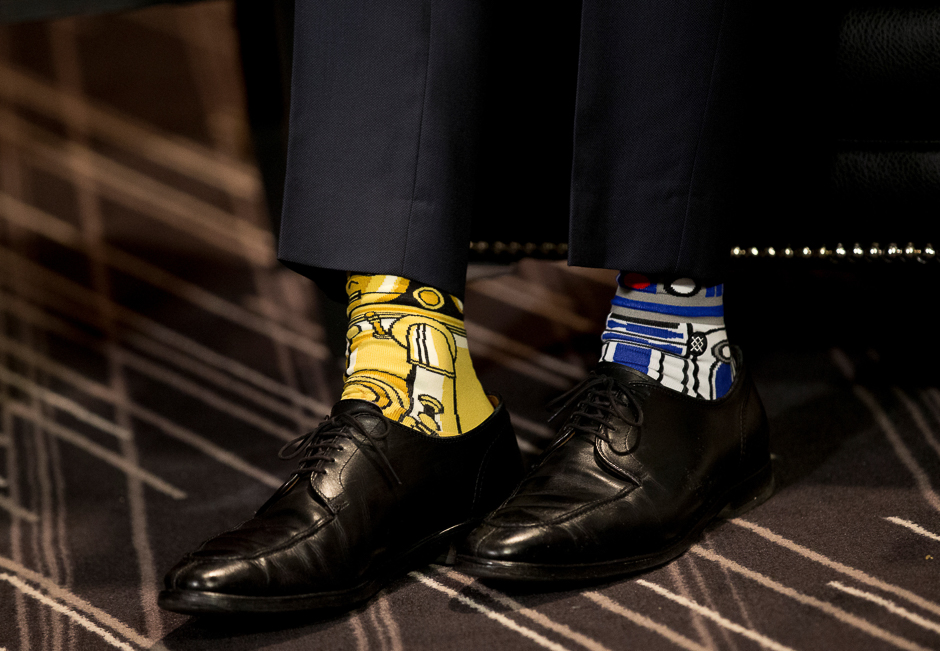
[
  {"x": 599, "y": 401},
  {"x": 313, "y": 447}
]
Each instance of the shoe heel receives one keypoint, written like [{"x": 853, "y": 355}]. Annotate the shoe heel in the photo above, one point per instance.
[
  {"x": 753, "y": 492},
  {"x": 448, "y": 556}
]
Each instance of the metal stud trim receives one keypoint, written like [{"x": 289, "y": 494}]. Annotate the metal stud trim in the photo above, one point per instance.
[
  {"x": 516, "y": 250},
  {"x": 504, "y": 251},
  {"x": 856, "y": 253}
]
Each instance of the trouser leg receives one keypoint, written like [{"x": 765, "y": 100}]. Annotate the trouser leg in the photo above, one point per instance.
[
  {"x": 656, "y": 142},
  {"x": 384, "y": 127},
  {"x": 385, "y": 131}
]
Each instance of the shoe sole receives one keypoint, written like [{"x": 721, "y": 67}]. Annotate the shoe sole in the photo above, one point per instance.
[
  {"x": 748, "y": 494},
  {"x": 198, "y": 602}
]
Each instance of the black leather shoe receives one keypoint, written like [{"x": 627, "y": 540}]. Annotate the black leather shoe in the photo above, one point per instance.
[
  {"x": 634, "y": 476},
  {"x": 370, "y": 499}
]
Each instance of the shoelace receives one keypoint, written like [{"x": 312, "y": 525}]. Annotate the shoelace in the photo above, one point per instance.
[
  {"x": 318, "y": 443},
  {"x": 600, "y": 398}
]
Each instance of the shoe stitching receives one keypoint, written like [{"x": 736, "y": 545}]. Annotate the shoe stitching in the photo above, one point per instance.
[
  {"x": 306, "y": 533},
  {"x": 569, "y": 515},
  {"x": 478, "y": 488},
  {"x": 710, "y": 404},
  {"x": 317, "y": 444},
  {"x": 743, "y": 444},
  {"x": 615, "y": 468},
  {"x": 342, "y": 483}
]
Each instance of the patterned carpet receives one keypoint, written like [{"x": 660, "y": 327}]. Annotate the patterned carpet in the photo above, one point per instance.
[{"x": 155, "y": 357}]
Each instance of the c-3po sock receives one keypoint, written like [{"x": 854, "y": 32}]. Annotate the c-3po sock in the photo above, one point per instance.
[
  {"x": 674, "y": 332},
  {"x": 406, "y": 351}
]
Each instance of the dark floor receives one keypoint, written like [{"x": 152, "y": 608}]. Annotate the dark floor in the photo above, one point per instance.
[{"x": 155, "y": 357}]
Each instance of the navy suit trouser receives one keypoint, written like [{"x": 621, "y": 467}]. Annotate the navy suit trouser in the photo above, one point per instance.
[{"x": 386, "y": 124}]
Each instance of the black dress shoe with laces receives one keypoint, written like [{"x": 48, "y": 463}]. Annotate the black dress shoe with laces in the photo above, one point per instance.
[
  {"x": 635, "y": 475},
  {"x": 370, "y": 499}
]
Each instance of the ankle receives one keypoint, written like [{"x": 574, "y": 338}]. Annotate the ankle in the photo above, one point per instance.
[
  {"x": 673, "y": 331},
  {"x": 407, "y": 353}
]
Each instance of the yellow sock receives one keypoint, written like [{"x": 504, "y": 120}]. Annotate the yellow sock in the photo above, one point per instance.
[{"x": 406, "y": 351}]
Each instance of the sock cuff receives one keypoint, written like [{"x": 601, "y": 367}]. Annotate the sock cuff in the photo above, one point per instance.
[
  {"x": 671, "y": 301},
  {"x": 672, "y": 330},
  {"x": 378, "y": 291},
  {"x": 671, "y": 290}
]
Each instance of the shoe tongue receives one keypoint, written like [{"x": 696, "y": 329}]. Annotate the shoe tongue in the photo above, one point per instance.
[
  {"x": 293, "y": 499},
  {"x": 622, "y": 436},
  {"x": 355, "y": 407},
  {"x": 623, "y": 374}
]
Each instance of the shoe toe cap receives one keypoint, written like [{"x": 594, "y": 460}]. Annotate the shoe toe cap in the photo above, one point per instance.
[
  {"x": 220, "y": 575},
  {"x": 519, "y": 544}
]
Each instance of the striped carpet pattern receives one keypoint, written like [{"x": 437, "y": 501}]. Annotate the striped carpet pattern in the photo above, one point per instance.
[{"x": 154, "y": 357}]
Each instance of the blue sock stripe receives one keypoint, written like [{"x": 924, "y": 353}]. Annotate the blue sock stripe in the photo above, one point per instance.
[
  {"x": 724, "y": 378},
  {"x": 690, "y": 311},
  {"x": 662, "y": 333},
  {"x": 676, "y": 338},
  {"x": 612, "y": 336},
  {"x": 633, "y": 356}
]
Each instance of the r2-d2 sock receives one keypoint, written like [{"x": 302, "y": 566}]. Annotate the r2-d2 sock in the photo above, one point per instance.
[{"x": 674, "y": 332}]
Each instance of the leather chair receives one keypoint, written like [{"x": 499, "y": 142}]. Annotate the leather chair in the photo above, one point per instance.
[
  {"x": 844, "y": 130},
  {"x": 885, "y": 166},
  {"x": 845, "y": 140}
]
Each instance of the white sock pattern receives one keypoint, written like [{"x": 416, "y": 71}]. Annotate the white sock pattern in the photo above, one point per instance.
[{"x": 674, "y": 332}]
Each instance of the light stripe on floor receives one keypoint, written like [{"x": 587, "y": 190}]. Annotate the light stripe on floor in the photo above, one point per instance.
[
  {"x": 53, "y": 399},
  {"x": 60, "y": 231},
  {"x": 102, "y": 453},
  {"x": 643, "y": 621},
  {"x": 921, "y": 478},
  {"x": 479, "y": 335},
  {"x": 844, "y": 364},
  {"x": 762, "y": 640},
  {"x": 539, "y": 639},
  {"x": 916, "y": 528},
  {"x": 70, "y": 291},
  {"x": 826, "y": 607},
  {"x": 16, "y": 510},
  {"x": 255, "y": 388},
  {"x": 135, "y": 190},
  {"x": 530, "y": 613},
  {"x": 167, "y": 426},
  {"x": 206, "y": 165},
  {"x": 842, "y": 568},
  {"x": 888, "y": 605},
  {"x": 533, "y": 304},
  {"x": 85, "y": 623}
]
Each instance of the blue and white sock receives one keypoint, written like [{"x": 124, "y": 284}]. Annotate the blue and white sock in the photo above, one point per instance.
[{"x": 674, "y": 332}]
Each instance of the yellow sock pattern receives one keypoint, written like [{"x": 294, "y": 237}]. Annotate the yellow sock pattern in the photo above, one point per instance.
[{"x": 406, "y": 351}]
